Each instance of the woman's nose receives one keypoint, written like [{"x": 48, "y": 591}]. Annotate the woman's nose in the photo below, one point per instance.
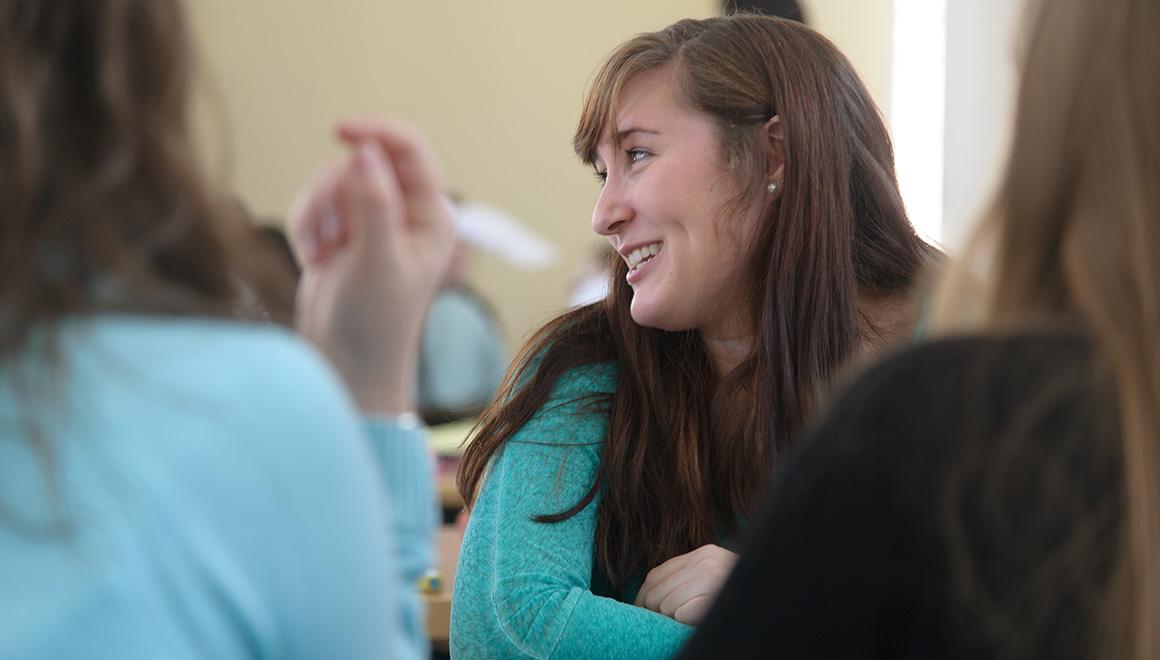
[{"x": 613, "y": 209}]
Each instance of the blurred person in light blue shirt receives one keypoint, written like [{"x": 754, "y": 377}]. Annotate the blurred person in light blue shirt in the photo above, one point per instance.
[
  {"x": 464, "y": 352},
  {"x": 174, "y": 482}
]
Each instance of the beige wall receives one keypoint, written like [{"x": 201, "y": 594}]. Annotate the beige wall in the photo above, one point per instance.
[
  {"x": 981, "y": 86},
  {"x": 863, "y": 30},
  {"x": 496, "y": 84}
]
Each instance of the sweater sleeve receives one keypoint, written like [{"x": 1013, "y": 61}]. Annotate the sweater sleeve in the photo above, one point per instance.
[
  {"x": 408, "y": 475},
  {"x": 523, "y": 588}
]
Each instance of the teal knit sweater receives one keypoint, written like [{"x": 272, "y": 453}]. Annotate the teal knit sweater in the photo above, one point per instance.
[{"x": 525, "y": 589}]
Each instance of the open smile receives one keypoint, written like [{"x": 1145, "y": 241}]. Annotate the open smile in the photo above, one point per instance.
[
  {"x": 639, "y": 259},
  {"x": 642, "y": 254}
]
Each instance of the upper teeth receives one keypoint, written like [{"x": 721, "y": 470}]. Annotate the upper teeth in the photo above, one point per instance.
[{"x": 638, "y": 256}]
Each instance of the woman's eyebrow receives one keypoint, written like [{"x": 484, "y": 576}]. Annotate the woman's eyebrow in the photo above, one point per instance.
[{"x": 624, "y": 133}]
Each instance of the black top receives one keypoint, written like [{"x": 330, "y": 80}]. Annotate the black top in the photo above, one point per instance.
[{"x": 959, "y": 500}]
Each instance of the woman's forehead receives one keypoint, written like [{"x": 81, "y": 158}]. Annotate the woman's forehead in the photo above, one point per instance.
[
  {"x": 646, "y": 94},
  {"x": 622, "y": 102}
]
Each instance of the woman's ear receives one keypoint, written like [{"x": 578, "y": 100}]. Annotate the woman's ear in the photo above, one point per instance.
[{"x": 773, "y": 136}]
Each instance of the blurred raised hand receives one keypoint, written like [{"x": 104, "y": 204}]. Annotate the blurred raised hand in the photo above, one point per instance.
[{"x": 374, "y": 234}]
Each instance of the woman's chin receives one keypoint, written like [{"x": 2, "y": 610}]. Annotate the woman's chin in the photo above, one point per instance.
[
  {"x": 652, "y": 316},
  {"x": 642, "y": 312}
]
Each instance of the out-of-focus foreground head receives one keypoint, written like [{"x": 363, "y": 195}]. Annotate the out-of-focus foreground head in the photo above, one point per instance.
[
  {"x": 1075, "y": 239},
  {"x": 790, "y": 9},
  {"x": 101, "y": 204},
  {"x": 1078, "y": 212}
]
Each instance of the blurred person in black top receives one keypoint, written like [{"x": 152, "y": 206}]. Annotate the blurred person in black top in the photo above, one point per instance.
[
  {"x": 781, "y": 8},
  {"x": 997, "y": 495}
]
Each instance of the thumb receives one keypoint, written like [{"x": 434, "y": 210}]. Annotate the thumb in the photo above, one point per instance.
[
  {"x": 373, "y": 198},
  {"x": 413, "y": 161}
]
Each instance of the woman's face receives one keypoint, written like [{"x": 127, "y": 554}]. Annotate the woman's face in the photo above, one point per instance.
[{"x": 661, "y": 206}]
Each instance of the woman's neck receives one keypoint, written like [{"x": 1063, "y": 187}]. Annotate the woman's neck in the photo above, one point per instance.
[
  {"x": 726, "y": 351},
  {"x": 883, "y": 321}
]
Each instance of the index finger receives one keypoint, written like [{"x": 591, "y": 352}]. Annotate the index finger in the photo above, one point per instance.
[
  {"x": 407, "y": 148},
  {"x": 658, "y": 575},
  {"x": 308, "y": 211}
]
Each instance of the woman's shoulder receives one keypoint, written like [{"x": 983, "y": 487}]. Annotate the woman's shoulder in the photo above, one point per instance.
[
  {"x": 596, "y": 378},
  {"x": 195, "y": 404},
  {"x": 240, "y": 371},
  {"x": 1008, "y": 361},
  {"x": 240, "y": 349},
  {"x": 577, "y": 385},
  {"x": 932, "y": 398},
  {"x": 576, "y": 409},
  {"x": 175, "y": 331},
  {"x": 581, "y": 378},
  {"x": 907, "y": 423}
]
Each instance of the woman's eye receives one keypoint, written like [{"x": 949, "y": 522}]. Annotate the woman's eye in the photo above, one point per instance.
[
  {"x": 601, "y": 176},
  {"x": 636, "y": 155}
]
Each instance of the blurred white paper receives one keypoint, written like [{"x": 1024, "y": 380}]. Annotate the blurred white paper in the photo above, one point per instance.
[{"x": 501, "y": 234}]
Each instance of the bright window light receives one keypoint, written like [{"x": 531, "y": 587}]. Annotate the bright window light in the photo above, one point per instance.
[{"x": 917, "y": 110}]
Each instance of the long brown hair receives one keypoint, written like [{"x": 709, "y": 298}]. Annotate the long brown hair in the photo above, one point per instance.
[
  {"x": 102, "y": 207},
  {"x": 686, "y": 456},
  {"x": 101, "y": 199},
  {"x": 1075, "y": 235}
]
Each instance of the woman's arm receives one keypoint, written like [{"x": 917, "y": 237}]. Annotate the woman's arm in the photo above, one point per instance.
[
  {"x": 404, "y": 461},
  {"x": 374, "y": 235},
  {"x": 523, "y": 588}
]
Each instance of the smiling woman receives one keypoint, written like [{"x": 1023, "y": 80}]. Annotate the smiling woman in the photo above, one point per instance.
[
  {"x": 749, "y": 193},
  {"x": 664, "y": 188}
]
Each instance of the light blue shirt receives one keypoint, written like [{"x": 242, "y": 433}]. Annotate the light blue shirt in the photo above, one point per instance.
[
  {"x": 209, "y": 492},
  {"x": 464, "y": 355}
]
